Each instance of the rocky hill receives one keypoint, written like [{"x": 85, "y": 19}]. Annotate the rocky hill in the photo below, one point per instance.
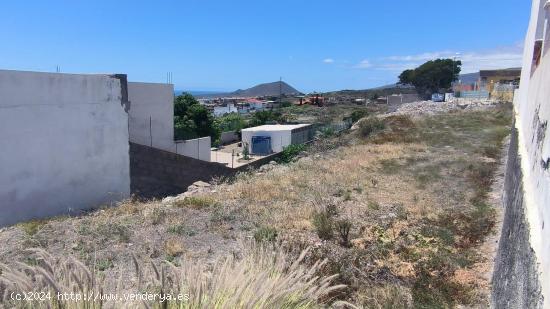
[
  {"x": 261, "y": 90},
  {"x": 267, "y": 89}
]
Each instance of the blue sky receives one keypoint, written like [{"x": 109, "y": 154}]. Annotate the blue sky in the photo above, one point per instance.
[{"x": 225, "y": 45}]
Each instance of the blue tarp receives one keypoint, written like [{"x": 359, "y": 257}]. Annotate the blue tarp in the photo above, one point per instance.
[{"x": 261, "y": 145}]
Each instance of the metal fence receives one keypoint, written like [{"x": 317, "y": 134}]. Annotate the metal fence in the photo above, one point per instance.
[{"x": 332, "y": 128}]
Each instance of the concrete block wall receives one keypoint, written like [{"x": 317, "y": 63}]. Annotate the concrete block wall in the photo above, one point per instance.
[
  {"x": 64, "y": 143},
  {"x": 158, "y": 173},
  {"x": 302, "y": 135}
]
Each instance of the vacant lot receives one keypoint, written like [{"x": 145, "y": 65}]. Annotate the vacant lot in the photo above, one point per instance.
[{"x": 399, "y": 208}]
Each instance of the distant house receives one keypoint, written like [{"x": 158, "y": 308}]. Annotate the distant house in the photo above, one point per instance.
[
  {"x": 488, "y": 79},
  {"x": 381, "y": 100},
  {"x": 255, "y": 104},
  {"x": 496, "y": 84},
  {"x": 227, "y": 109}
]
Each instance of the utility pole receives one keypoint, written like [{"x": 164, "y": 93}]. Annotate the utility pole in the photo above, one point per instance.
[{"x": 280, "y": 91}]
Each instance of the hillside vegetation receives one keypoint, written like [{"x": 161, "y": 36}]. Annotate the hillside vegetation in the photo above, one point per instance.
[{"x": 398, "y": 209}]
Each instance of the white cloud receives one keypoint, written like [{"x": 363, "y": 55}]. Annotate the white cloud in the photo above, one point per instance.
[
  {"x": 472, "y": 61},
  {"x": 364, "y": 64},
  {"x": 328, "y": 60}
]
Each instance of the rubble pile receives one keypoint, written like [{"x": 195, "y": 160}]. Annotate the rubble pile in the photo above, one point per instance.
[{"x": 430, "y": 107}]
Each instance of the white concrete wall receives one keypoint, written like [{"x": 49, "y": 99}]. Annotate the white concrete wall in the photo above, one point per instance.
[
  {"x": 64, "y": 140},
  {"x": 198, "y": 148},
  {"x": 151, "y": 115},
  {"x": 279, "y": 139},
  {"x": 532, "y": 115}
]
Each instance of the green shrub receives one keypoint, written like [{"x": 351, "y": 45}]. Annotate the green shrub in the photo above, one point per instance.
[
  {"x": 322, "y": 221},
  {"x": 118, "y": 229},
  {"x": 374, "y": 205},
  {"x": 196, "y": 202},
  {"x": 390, "y": 166},
  {"x": 290, "y": 152},
  {"x": 370, "y": 125},
  {"x": 343, "y": 227},
  {"x": 179, "y": 229},
  {"x": 327, "y": 132},
  {"x": 32, "y": 227},
  {"x": 104, "y": 264},
  {"x": 157, "y": 216},
  {"x": 358, "y": 114},
  {"x": 347, "y": 196},
  {"x": 265, "y": 233},
  {"x": 263, "y": 117},
  {"x": 223, "y": 215},
  {"x": 246, "y": 152}
]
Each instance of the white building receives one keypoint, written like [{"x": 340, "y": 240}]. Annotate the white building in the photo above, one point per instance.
[{"x": 273, "y": 138}]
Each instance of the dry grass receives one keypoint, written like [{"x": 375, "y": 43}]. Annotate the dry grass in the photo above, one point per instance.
[
  {"x": 415, "y": 193},
  {"x": 406, "y": 205},
  {"x": 173, "y": 247},
  {"x": 262, "y": 278}
]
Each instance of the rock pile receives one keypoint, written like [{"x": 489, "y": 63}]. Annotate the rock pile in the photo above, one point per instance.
[{"x": 194, "y": 189}]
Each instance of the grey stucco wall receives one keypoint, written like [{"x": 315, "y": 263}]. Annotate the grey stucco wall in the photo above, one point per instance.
[
  {"x": 151, "y": 118},
  {"x": 151, "y": 121},
  {"x": 64, "y": 140},
  {"x": 515, "y": 278}
]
